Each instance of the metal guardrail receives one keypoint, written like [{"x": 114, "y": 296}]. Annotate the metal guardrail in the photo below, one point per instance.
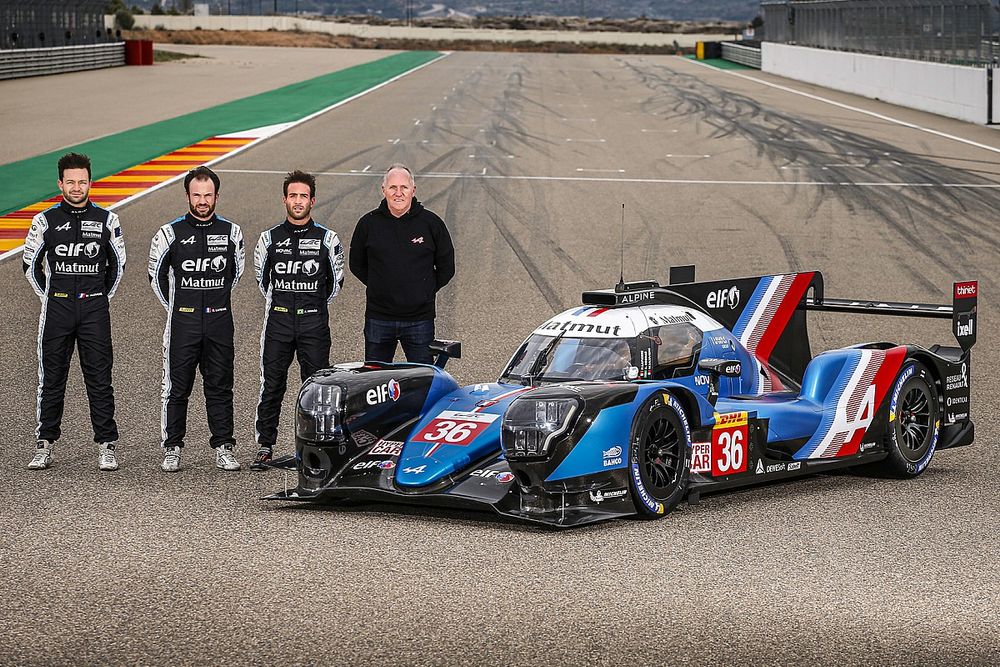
[
  {"x": 744, "y": 55},
  {"x": 36, "y": 62}
]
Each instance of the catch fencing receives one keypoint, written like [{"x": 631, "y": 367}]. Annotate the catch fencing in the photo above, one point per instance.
[
  {"x": 961, "y": 32},
  {"x": 52, "y": 23}
]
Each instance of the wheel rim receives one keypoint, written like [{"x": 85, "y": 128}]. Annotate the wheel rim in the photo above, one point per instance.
[
  {"x": 661, "y": 455},
  {"x": 914, "y": 422}
]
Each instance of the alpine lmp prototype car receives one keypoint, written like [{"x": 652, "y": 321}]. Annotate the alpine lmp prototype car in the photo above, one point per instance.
[{"x": 642, "y": 397}]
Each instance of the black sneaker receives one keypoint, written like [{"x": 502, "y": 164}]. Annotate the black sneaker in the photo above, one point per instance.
[{"x": 263, "y": 459}]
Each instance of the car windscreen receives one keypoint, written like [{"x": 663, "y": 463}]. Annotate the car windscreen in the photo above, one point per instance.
[{"x": 571, "y": 359}]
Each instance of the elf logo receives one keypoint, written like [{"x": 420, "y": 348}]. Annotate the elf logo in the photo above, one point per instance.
[
  {"x": 728, "y": 297},
  {"x": 203, "y": 264},
  {"x": 310, "y": 267},
  {"x": 383, "y": 393},
  {"x": 76, "y": 249}
]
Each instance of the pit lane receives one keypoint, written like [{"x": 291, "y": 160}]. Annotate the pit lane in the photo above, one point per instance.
[{"x": 529, "y": 158}]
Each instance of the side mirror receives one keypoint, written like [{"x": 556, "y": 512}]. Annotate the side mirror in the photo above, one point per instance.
[
  {"x": 445, "y": 350},
  {"x": 717, "y": 368}
]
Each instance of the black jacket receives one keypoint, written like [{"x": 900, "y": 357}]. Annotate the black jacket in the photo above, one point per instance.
[
  {"x": 78, "y": 252},
  {"x": 403, "y": 262}
]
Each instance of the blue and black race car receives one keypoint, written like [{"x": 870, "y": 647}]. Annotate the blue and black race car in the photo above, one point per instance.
[{"x": 639, "y": 399}]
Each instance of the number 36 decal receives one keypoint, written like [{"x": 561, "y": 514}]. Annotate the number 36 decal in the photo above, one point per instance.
[
  {"x": 729, "y": 444},
  {"x": 451, "y": 427}
]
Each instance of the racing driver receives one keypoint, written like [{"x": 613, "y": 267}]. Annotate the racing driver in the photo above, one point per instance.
[
  {"x": 300, "y": 268},
  {"x": 73, "y": 257},
  {"x": 194, "y": 263}
]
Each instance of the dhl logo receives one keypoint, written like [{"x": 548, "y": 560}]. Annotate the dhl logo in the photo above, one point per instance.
[{"x": 730, "y": 419}]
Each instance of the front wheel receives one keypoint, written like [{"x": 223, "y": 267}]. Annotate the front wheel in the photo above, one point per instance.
[
  {"x": 914, "y": 421},
  {"x": 659, "y": 456}
]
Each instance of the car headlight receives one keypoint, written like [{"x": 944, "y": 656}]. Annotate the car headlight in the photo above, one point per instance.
[
  {"x": 319, "y": 417},
  {"x": 530, "y": 425}
]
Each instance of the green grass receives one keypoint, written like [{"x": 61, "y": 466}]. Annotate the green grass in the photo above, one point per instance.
[{"x": 168, "y": 56}]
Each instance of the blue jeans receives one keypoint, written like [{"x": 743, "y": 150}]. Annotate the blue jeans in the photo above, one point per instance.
[{"x": 415, "y": 337}]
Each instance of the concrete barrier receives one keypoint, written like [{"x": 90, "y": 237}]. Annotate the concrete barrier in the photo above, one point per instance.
[
  {"x": 149, "y": 22},
  {"x": 949, "y": 90},
  {"x": 18, "y": 63}
]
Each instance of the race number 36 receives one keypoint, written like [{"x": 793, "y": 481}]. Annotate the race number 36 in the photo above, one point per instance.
[
  {"x": 729, "y": 444},
  {"x": 451, "y": 427}
]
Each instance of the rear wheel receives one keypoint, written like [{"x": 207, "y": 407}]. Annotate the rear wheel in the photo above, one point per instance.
[
  {"x": 659, "y": 455},
  {"x": 913, "y": 423}
]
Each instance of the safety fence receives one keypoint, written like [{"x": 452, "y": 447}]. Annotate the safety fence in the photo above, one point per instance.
[
  {"x": 742, "y": 54},
  {"x": 35, "y": 62},
  {"x": 949, "y": 31},
  {"x": 51, "y": 23}
]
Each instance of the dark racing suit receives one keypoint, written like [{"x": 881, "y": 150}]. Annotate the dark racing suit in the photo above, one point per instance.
[
  {"x": 193, "y": 267},
  {"x": 73, "y": 258},
  {"x": 300, "y": 268}
]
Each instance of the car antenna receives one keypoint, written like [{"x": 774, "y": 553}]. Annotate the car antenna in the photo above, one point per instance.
[{"x": 620, "y": 287}]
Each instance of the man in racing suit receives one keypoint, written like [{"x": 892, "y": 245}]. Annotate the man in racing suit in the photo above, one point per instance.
[
  {"x": 300, "y": 268},
  {"x": 194, "y": 263},
  {"x": 73, "y": 258}
]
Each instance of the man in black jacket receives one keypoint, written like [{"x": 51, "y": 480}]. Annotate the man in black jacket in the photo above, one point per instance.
[
  {"x": 300, "y": 268},
  {"x": 194, "y": 263},
  {"x": 403, "y": 254},
  {"x": 73, "y": 258}
]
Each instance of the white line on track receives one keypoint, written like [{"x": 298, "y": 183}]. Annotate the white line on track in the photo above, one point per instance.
[
  {"x": 583, "y": 120},
  {"x": 653, "y": 181},
  {"x": 665, "y": 131},
  {"x": 873, "y": 114},
  {"x": 603, "y": 171},
  {"x": 282, "y": 128},
  {"x": 588, "y": 141},
  {"x": 683, "y": 155}
]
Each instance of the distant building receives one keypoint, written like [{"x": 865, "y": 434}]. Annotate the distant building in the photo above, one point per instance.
[{"x": 47, "y": 23}]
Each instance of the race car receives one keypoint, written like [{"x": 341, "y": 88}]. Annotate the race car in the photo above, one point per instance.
[{"x": 641, "y": 398}]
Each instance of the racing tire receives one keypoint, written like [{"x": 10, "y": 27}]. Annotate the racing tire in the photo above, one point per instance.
[
  {"x": 913, "y": 424},
  {"x": 659, "y": 456}
]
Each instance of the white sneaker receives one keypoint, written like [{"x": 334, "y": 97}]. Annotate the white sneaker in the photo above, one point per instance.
[
  {"x": 224, "y": 458},
  {"x": 106, "y": 459},
  {"x": 43, "y": 456},
  {"x": 171, "y": 459}
]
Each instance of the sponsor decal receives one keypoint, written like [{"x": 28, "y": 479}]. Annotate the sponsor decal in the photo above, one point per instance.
[
  {"x": 651, "y": 504},
  {"x": 555, "y": 325},
  {"x": 612, "y": 457},
  {"x": 795, "y": 465},
  {"x": 75, "y": 268},
  {"x": 87, "y": 295},
  {"x": 483, "y": 473},
  {"x": 189, "y": 282},
  {"x": 452, "y": 427},
  {"x": 776, "y": 467},
  {"x": 60, "y": 295},
  {"x": 309, "y": 267},
  {"x": 217, "y": 239},
  {"x": 638, "y": 296},
  {"x": 215, "y": 310},
  {"x": 281, "y": 309},
  {"x": 600, "y": 496},
  {"x": 91, "y": 226},
  {"x": 724, "y": 298},
  {"x": 284, "y": 244},
  {"x": 957, "y": 416},
  {"x": 203, "y": 264},
  {"x": 966, "y": 327},
  {"x": 416, "y": 470},
  {"x": 505, "y": 477},
  {"x": 729, "y": 443},
  {"x": 760, "y": 467},
  {"x": 188, "y": 241},
  {"x": 185, "y": 309},
  {"x": 64, "y": 227},
  {"x": 418, "y": 240},
  {"x": 966, "y": 290},
  {"x": 894, "y": 400},
  {"x": 309, "y": 244},
  {"x": 283, "y": 251},
  {"x": 701, "y": 457},
  {"x": 386, "y": 465},
  {"x": 365, "y": 465},
  {"x": 384, "y": 392},
  {"x": 865, "y": 446},
  {"x": 959, "y": 380},
  {"x": 90, "y": 249},
  {"x": 702, "y": 380},
  {"x": 285, "y": 285},
  {"x": 386, "y": 448},
  {"x": 363, "y": 438}
]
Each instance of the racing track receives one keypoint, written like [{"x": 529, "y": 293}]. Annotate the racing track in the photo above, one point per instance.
[{"x": 528, "y": 158}]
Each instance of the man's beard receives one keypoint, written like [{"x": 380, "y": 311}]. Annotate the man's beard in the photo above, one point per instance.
[
  {"x": 76, "y": 200},
  {"x": 306, "y": 212},
  {"x": 195, "y": 213}
]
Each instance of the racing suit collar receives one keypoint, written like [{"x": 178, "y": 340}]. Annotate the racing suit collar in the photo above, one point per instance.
[
  {"x": 298, "y": 229},
  {"x": 74, "y": 210},
  {"x": 415, "y": 209},
  {"x": 195, "y": 222}
]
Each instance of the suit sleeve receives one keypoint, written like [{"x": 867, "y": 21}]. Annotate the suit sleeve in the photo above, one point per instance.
[
  {"x": 359, "y": 251},
  {"x": 239, "y": 252},
  {"x": 335, "y": 268},
  {"x": 444, "y": 255},
  {"x": 33, "y": 257},
  {"x": 159, "y": 264},
  {"x": 116, "y": 255},
  {"x": 261, "y": 262}
]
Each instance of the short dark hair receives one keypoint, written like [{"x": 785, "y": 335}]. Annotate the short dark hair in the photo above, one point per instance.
[
  {"x": 298, "y": 176},
  {"x": 74, "y": 161},
  {"x": 200, "y": 174}
]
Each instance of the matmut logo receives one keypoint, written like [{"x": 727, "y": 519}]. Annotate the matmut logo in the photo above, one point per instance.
[{"x": 967, "y": 290}]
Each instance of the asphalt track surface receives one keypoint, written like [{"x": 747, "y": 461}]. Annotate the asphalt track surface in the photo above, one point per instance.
[{"x": 141, "y": 567}]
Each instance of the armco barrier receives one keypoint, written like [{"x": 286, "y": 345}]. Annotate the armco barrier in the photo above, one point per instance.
[
  {"x": 35, "y": 62},
  {"x": 744, "y": 55},
  {"x": 956, "y": 91}
]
